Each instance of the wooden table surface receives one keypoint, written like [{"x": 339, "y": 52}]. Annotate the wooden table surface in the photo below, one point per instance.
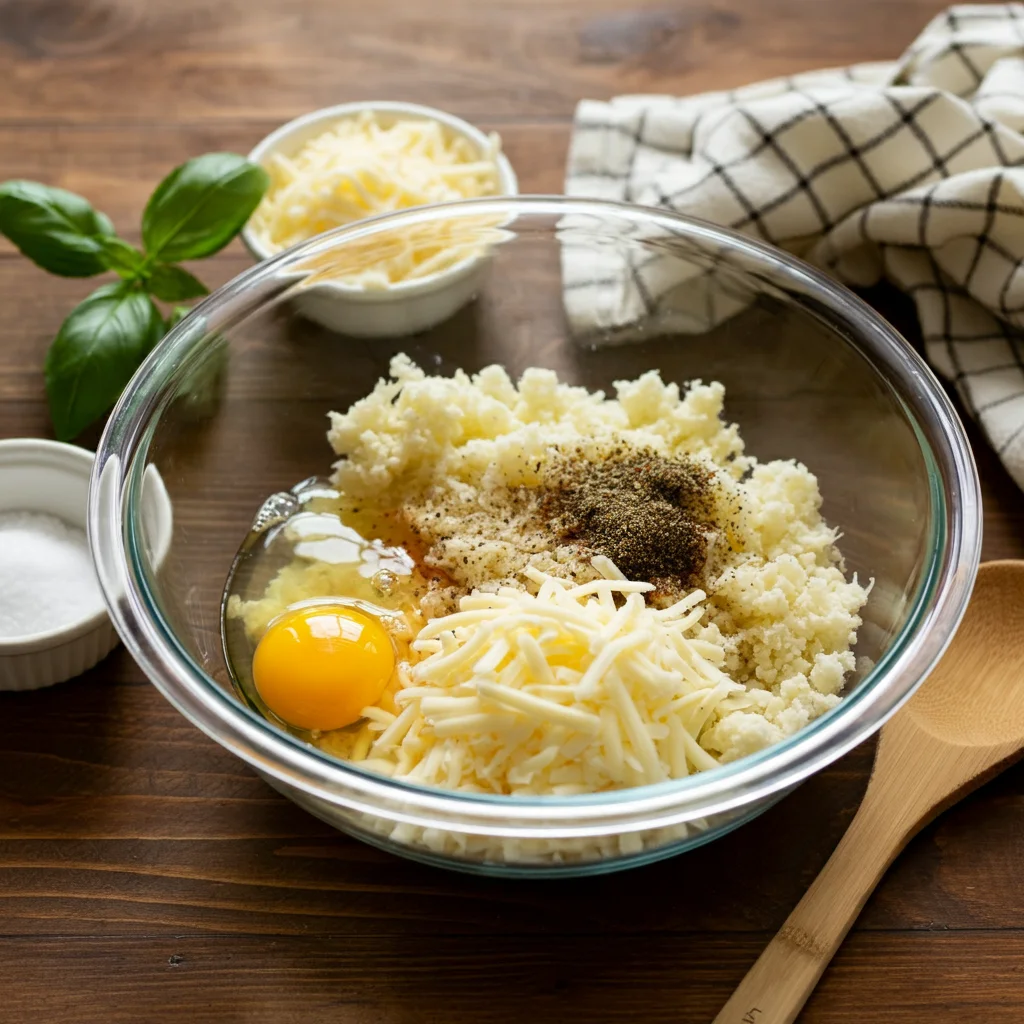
[{"x": 145, "y": 874}]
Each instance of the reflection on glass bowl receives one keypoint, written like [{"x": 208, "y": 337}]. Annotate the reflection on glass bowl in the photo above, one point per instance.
[{"x": 810, "y": 373}]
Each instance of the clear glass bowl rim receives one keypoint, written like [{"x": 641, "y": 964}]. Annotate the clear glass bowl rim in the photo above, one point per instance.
[{"x": 938, "y": 605}]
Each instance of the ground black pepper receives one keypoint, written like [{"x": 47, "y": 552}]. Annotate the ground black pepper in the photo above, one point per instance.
[{"x": 650, "y": 515}]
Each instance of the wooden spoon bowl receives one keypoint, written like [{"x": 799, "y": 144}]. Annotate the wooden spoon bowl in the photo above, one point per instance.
[
  {"x": 963, "y": 726},
  {"x": 975, "y": 696}
]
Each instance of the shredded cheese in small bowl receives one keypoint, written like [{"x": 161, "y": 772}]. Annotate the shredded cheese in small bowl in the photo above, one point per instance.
[{"x": 343, "y": 164}]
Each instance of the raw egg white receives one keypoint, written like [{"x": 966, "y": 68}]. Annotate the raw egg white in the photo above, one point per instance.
[{"x": 317, "y": 667}]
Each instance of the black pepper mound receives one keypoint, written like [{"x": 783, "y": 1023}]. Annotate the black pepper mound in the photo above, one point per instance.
[{"x": 651, "y": 515}]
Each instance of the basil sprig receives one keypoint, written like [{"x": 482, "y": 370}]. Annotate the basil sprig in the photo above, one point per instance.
[{"x": 194, "y": 212}]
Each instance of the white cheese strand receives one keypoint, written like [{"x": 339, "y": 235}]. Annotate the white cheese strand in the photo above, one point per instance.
[{"x": 538, "y": 707}]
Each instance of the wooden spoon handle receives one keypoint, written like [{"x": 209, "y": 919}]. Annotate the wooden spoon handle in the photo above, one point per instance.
[{"x": 777, "y": 986}]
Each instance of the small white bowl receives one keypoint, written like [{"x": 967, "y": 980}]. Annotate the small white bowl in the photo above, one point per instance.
[
  {"x": 403, "y": 308},
  {"x": 47, "y": 476}
]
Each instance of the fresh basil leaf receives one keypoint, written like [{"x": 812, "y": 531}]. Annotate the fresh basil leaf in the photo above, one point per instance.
[
  {"x": 124, "y": 259},
  {"x": 201, "y": 205},
  {"x": 96, "y": 351},
  {"x": 177, "y": 315},
  {"x": 172, "y": 284},
  {"x": 55, "y": 229}
]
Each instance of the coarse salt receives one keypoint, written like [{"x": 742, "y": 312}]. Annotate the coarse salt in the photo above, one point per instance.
[{"x": 47, "y": 578}]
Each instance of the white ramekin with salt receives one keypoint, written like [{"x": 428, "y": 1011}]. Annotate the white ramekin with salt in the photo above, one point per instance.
[{"x": 53, "y": 622}]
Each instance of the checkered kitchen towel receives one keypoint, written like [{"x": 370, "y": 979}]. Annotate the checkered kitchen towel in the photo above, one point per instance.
[{"x": 911, "y": 171}]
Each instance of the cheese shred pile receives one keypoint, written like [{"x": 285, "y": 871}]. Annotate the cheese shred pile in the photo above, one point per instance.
[
  {"x": 575, "y": 689},
  {"x": 367, "y": 165}
]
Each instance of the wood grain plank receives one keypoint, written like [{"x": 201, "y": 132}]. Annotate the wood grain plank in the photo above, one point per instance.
[
  {"x": 675, "y": 978},
  {"x": 104, "y": 60}
]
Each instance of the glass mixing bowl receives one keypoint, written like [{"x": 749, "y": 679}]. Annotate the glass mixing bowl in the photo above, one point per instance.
[{"x": 232, "y": 407}]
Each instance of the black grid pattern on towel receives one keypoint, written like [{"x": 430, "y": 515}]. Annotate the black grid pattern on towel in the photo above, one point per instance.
[{"x": 939, "y": 184}]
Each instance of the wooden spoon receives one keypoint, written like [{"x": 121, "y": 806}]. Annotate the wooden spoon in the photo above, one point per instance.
[{"x": 962, "y": 727}]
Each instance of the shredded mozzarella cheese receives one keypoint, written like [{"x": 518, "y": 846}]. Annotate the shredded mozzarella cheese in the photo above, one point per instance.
[
  {"x": 370, "y": 164},
  {"x": 580, "y": 686}
]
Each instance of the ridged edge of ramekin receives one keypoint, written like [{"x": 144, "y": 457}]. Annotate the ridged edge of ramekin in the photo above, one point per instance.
[{"x": 34, "y": 670}]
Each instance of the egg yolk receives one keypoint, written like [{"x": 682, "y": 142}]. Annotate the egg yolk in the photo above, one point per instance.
[{"x": 318, "y": 667}]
